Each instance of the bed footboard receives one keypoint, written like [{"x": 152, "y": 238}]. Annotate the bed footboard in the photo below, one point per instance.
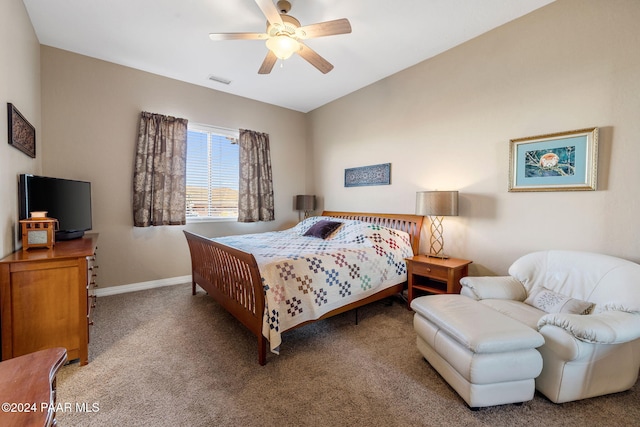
[{"x": 232, "y": 278}]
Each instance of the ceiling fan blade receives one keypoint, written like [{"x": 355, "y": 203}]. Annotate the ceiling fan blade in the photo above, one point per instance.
[
  {"x": 328, "y": 28},
  {"x": 238, "y": 36},
  {"x": 268, "y": 63},
  {"x": 270, "y": 11},
  {"x": 314, "y": 59}
]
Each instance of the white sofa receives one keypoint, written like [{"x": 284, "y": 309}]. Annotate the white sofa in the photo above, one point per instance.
[{"x": 587, "y": 308}]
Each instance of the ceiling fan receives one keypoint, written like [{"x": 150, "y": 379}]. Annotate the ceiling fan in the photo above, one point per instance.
[{"x": 284, "y": 34}]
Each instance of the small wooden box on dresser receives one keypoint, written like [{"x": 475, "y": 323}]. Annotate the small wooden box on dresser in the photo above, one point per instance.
[
  {"x": 435, "y": 275},
  {"x": 46, "y": 298}
]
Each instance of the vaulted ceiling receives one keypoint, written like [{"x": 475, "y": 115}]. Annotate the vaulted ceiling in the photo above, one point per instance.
[{"x": 171, "y": 38}]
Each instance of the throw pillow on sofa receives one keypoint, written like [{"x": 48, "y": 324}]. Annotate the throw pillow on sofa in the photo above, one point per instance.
[{"x": 552, "y": 302}]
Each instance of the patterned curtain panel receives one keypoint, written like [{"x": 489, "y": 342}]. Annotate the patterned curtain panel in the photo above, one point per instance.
[
  {"x": 255, "y": 201},
  {"x": 159, "y": 179}
]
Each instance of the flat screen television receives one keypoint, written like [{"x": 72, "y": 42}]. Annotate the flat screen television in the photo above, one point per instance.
[{"x": 66, "y": 200}]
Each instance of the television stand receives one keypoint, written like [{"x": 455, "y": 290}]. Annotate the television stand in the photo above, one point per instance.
[{"x": 68, "y": 235}]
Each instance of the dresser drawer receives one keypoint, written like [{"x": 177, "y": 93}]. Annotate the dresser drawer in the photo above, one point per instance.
[
  {"x": 92, "y": 271},
  {"x": 92, "y": 276}
]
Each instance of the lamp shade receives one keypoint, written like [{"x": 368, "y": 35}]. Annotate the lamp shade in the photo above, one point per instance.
[
  {"x": 437, "y": 203},
  {"x": 305, "y": 203}
]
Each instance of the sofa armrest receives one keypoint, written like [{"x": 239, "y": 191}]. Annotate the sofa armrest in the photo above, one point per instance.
[
  {"x": 609, "y": 327},
  {"x": 494, "y": 287}
]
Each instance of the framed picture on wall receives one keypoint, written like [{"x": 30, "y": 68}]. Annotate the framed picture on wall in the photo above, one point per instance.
[
  {"x": 565, "y": 161},
  {"x": 21, "y": 134},
  {"x": 368, "y": 175}
]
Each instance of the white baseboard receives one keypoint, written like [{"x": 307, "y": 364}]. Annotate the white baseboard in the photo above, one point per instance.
[{"x": 133, "y": 287}]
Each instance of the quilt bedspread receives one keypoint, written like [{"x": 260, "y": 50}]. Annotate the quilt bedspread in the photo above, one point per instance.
[{"x": 305, "y": 277}]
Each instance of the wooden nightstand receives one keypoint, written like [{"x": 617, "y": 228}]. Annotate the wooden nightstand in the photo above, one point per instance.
[
  {"x": 28, "y": 388},
  {"x": 435, "y": 275}
]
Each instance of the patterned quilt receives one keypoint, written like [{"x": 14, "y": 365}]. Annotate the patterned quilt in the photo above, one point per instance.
[{"x": 305, "y": 277}]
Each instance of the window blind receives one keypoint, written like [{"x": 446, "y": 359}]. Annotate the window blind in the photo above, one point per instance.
[{"x": 212, "y": 173}]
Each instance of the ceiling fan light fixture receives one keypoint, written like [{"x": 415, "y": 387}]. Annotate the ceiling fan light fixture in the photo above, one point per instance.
[
  {"x": 283, "y": 46},
  {"x": 284, "y": 36}
]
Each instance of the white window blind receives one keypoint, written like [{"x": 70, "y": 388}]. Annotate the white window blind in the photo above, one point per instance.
[{"x": 212, "y": 173}]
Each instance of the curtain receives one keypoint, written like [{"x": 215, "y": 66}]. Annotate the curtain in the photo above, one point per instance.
[
  {"x": 255, "y": 201},
  {"x": 159, "y": 179}
]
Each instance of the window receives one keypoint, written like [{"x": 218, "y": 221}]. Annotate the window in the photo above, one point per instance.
[{"x": 212, "y": 173}]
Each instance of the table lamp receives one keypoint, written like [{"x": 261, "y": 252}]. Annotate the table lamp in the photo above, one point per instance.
[
  {"x": 436, "y": 204},
  {"x": 305, "y": 203}
]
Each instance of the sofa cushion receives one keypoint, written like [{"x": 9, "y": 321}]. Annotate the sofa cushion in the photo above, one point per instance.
[
  {"x": 516, "y": 310},
  {"x": 498, "y": 287},
  {"x": 553, "y": 302}
]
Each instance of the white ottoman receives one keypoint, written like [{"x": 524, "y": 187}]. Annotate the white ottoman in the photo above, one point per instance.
[{"x": 488, "y": 358}]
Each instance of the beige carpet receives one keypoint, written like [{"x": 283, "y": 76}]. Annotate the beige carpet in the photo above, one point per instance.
[{"x": 166, "y": 358}]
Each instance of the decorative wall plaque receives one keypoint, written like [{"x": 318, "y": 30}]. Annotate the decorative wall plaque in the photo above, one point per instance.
[
  {"x": 368, "y": 175},
  {"x": 21, "y": 134}
]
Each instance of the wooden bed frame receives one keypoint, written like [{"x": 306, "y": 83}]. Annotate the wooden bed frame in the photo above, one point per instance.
[{"x": 232, "y": 278}]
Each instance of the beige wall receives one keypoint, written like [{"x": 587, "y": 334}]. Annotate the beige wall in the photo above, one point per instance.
[
  {"x": 91, "y": 110},
  {"x": 19, "y": 85},
  {"x": 443, "y": 124},
  {"x": 446, "y": 124}
]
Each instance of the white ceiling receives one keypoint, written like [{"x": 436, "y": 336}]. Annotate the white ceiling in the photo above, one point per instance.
[{"x": 170, "y": 38}]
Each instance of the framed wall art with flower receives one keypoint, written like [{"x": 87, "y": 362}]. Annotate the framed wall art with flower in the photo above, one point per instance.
[{"x": 565, "y": 161}]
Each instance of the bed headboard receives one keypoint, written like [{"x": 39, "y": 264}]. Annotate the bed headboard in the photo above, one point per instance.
[{"x": 411, "y": 224}]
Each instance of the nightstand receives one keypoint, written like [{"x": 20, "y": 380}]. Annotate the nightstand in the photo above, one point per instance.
[
  {"x": 435, "y": 275},
  {"x": 28, "y": 388}
]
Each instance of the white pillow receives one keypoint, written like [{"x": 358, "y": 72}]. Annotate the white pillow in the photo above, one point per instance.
[{"x": 552, "y": 302}]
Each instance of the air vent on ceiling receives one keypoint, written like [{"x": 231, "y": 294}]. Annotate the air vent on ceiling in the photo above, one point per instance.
[{"x": 219, "y": 79}]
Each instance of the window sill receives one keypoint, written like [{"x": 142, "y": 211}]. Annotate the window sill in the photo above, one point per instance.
[{"x": 211, "y": 219}]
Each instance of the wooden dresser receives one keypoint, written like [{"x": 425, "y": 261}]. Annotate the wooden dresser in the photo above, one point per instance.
[{"x": 46, "y": 297}]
